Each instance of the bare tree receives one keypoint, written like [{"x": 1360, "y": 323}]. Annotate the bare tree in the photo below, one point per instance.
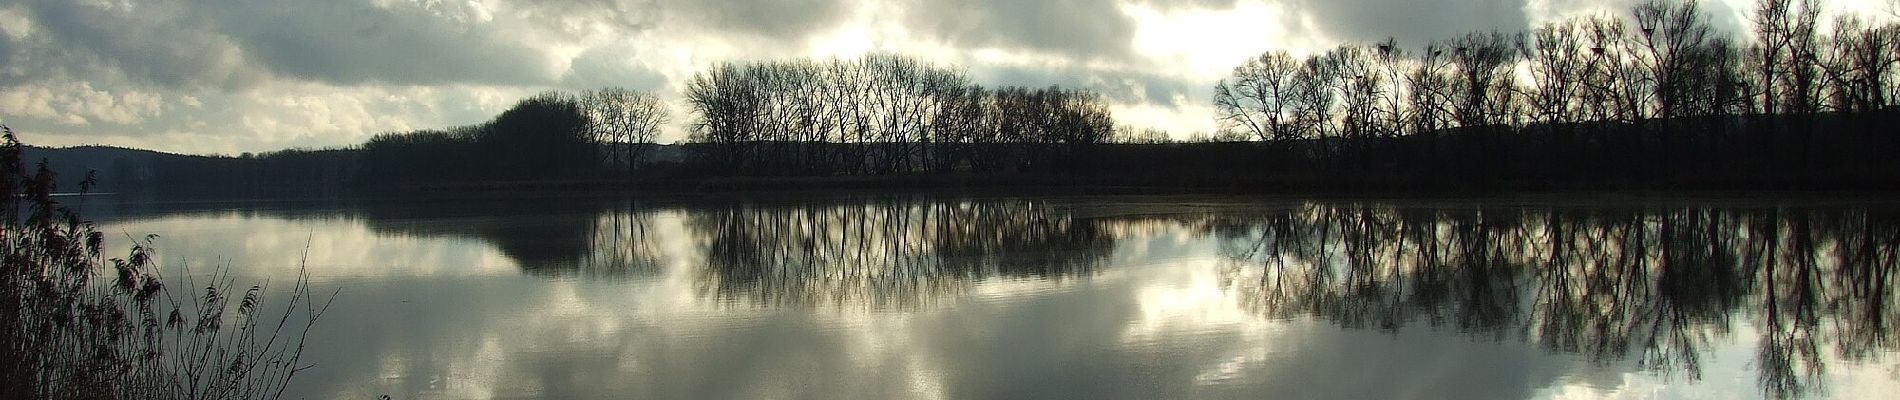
[
  {"x": 1389, "y": 63},
  {"x": 1312, "y": 98},
  {"x": 877, "y": 114},
  {"x": 625, "y": 122},
  {"x": 1428, "y": 89},
  {"x": 1558, "y": 69},
  {"x": 1358, "y": 86},
  {"x": 1803, "y": 80},
  {"x": 1257, "y": 98},
  {"x": 1859, "y": 64},
  {"x": 1611, "y": 88},
  {"x": 1679, "y": 55},
  {"x": 726, "y": 108},
  {"x": 1771, "y": 21},
  {"x": 1484, "y": 63},
  {"x": 958, "y": 127}
]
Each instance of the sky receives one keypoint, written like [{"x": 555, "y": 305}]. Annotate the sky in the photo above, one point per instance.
[{"x": 231, "y": 76}]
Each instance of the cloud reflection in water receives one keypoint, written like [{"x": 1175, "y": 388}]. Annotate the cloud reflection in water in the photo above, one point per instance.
[{"x": 988, "y": 297}]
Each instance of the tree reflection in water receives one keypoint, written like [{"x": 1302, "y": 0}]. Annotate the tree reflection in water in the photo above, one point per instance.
[
  {"x": 585, "y": 237},
  {"x": 1652, "y": 285},
  {"x": 885, "y": 252}
]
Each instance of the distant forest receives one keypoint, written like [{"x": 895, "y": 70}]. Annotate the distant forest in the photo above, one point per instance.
[{"x": 1652, "y": 98}]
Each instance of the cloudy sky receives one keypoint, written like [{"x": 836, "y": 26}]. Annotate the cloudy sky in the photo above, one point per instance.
[{"x": 228, "y": 76}]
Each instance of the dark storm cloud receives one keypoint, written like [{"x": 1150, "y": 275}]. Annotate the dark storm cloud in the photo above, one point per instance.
[
  {"x": 1413, "y": 23},
  {"x": 786, "y": 19},
  {"x": 626, "y": 15},
  {"x": 353, "y": 42},
  {"x": 158, "y": 42},
  {"x": 237, "y": 43},
  {"x": 7, "y": 47},
  {"x": 1086, "y": 29}
]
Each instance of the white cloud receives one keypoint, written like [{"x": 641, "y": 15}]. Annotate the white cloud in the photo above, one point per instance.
[
  {"x": 79, "y": 104},
  {"x": 202, "y": 76}
]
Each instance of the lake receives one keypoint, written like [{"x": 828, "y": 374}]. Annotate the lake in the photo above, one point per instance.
[{"x": 984, "y": 296}]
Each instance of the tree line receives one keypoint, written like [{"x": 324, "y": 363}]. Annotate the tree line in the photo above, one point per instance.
[
  {"x": 549, "y": 136},
  {"x": 882, "y": 114},
  {"x": 1670, "y": 64},
  {"x": 1656, "y": 92}
]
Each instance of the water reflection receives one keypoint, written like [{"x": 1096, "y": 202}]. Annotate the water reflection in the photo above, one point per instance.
[
  {"x": 885, "y": 252},
  {"x": 874, "y": 251},
  {"x": 972, "y": 297},
  {"x": 1658, "y": 286},
  {"x": 594, "y": 238}
]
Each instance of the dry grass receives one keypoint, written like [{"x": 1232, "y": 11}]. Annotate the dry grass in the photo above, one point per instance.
[{"x": 77, "y": 324}]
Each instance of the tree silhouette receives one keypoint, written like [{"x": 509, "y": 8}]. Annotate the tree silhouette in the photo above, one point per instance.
[
  {"x": 883, "y": 115},
  {"x": 1655, "y": 97},
  {"x": 541, "y": 137},
  {"x": 1257, "y": 99},
  {"x": 624, "y": 124}
]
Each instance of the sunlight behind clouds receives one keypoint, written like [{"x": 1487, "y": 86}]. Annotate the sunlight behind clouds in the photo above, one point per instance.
[
  {"x": 275, "y": 74},
  {"x": 1207, "y": 43}
]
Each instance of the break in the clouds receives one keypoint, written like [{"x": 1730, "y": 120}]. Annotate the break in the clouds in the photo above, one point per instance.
[{"x": 225, "y": 76}]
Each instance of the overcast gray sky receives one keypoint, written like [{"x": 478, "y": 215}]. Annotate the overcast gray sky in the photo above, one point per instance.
[{"x": 228, "y": 76}]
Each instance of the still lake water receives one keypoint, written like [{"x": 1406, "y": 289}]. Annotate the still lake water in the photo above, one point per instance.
[{"x": 1070, "y": 297}]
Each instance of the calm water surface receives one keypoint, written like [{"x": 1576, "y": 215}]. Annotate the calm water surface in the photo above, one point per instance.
[{"x": 1073, "y": 297}]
